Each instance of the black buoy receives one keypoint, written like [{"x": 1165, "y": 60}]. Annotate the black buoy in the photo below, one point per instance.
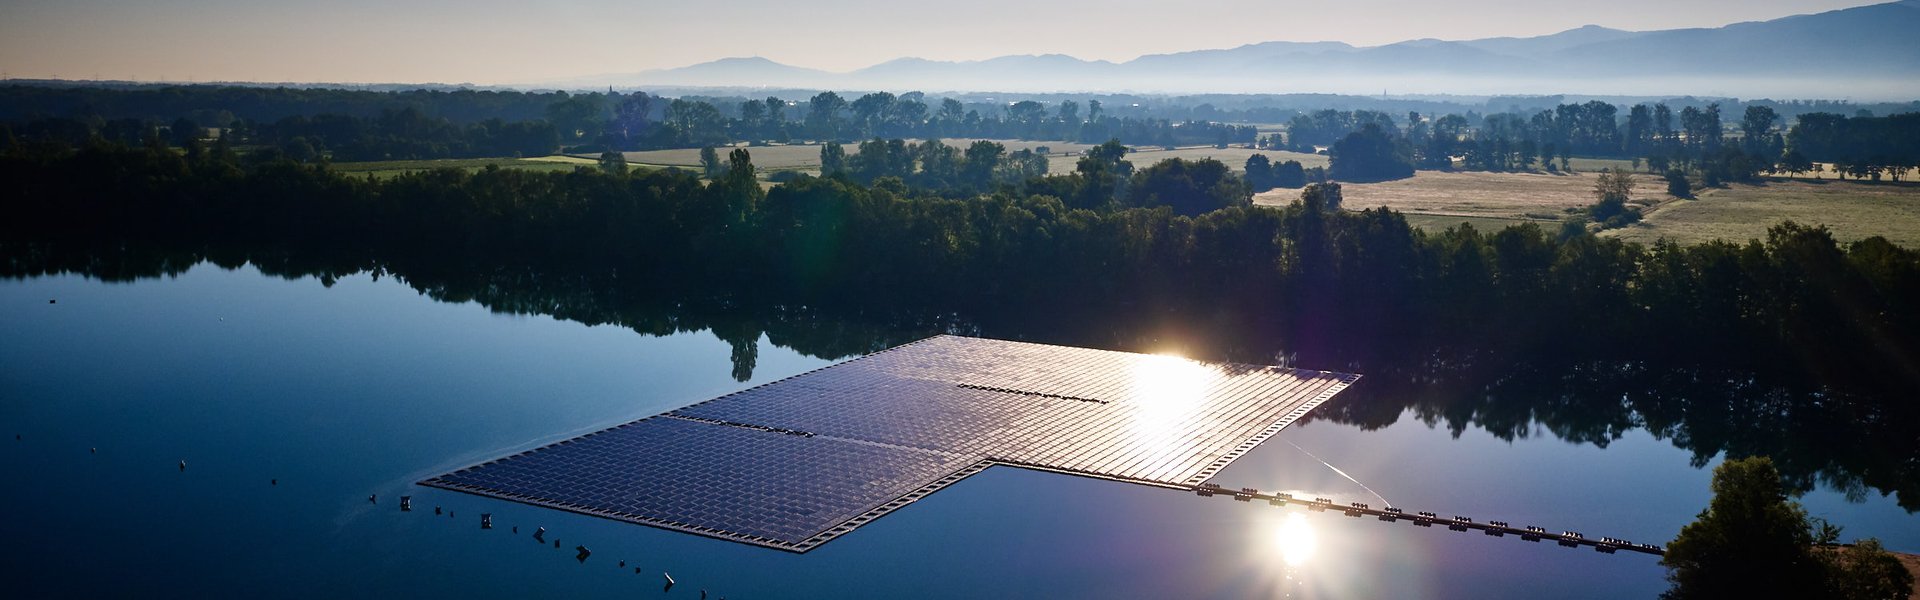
[
  {"x": 636, "y": 570},
  {"x": 406, "y": 504},
  {"x": 449, "y": 514},
  {"x": 583, "y": 553},
  {"x": 556, "y": 542},
  {"x": 623, "y": 564},
  {"x": 516, "y": 529},
  {"x": 51, "y": 301},
  {"x": 273, "y": 482},
  {"x": 436, "y": 510}
]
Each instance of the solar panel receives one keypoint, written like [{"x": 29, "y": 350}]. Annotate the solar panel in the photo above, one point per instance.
[{"x": 796, "y": 462}]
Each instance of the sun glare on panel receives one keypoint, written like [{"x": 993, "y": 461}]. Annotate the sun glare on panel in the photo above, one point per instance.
[{"x": 1166, "y": 390}]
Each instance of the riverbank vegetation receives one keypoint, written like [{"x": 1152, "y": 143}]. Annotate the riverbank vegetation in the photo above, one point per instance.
[
  {"x": 1753, "y": 541},
  {"x": 1470, "y": 326}
]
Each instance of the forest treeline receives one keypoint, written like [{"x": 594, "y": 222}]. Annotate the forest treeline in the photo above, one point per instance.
[
  {"x": 1588, "y": 335},
  {"x": 1690, "y": 142},
  {"x": 1344, "y": 287},
  {"x": 1693, "y": 141}
]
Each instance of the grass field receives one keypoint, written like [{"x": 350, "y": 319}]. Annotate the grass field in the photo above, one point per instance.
[
  {"x": 1434, "y": 200},
  {"x": 1439, "y": 223},
  {"x": 389, "y": 168},
  {"x": 1234, "y": 157},
  {"x": 1063, "y": 155},
  {"x": 1853, "y": 210},
  {"x": 806, "y": 158},
  {"x": 1475, "y": 195}
]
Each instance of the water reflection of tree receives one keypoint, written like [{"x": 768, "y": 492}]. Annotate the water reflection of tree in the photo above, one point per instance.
[
  {"x": 1857, "y": 441},
  {"x": 1849, "y": 440}
]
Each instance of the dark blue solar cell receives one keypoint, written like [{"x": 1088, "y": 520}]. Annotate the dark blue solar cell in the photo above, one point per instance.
[{"x": 787, "y": 463}]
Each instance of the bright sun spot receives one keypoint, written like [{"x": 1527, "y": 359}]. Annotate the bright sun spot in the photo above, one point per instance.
[
  {"x": 1166, "y": 391},
  {"x": 1295, "y": 540}
]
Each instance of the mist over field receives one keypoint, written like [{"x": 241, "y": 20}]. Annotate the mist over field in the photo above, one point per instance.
[{"x": 1864, "y": 53}]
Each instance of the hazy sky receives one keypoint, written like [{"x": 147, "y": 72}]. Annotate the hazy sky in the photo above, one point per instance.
[{"x": 499, "y": 41}]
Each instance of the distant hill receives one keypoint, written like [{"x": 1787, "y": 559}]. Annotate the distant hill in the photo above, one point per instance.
[{"x": 1865, "y": 52}]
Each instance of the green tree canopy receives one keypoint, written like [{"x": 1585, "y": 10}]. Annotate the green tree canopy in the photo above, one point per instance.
[{"x": 1371, "y": 154}]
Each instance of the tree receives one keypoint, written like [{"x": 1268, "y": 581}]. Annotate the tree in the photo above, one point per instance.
[
  {"x": 1639, "y": 137},
  {"x": 1663, "y": 125},
  {"x": 1678, "y": 186},
  {"x": 631, "y": 120},
  {"x": 833, "y": 159},
  {"x": 1028, "y": 115},
  {"x": 1614, "y": 184},
  {"x": 1866, "y": 571},
  {"x": 1070, "y": 113},
  {"x": 1290, "y": 174},
  {"x": 710, "y": 163},
  {"x": 1750, "y": 542},
  {"x": 1611, "y": 191},
  {"x": 1756, "y": 129},
  {"x": 1259, "y": 171},
  {"x": 696, "y": 123},
  {"x": 1190, "y": 188},
  {"x": 776, "y": 110},
  {"x": 614, "y": 163},
  {"x": 577, "y": 116},
  {"x": 753, "y": 116},
  {"x": 1754, "y": 542},
  {"x": 1370, "y": 154},
  {"x": 1104, "y": 172},
  {"x": 871, "y": 111},
  {"x": 183, "y": 132},
  {"x": 982, "y": 161},
  {"x": 739, "y": 190},
  {"x": 823, "y": 115}
]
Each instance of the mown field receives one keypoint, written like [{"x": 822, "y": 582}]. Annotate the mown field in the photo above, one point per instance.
[
  {"x": 1062, "y": 155},
  {"x": 806, "y": 158},
  {"x": 1740, "y": 212},
  {"x": 1434, "y": 201},
  {"x": 1446, "y": 197},
  {"x": 389, "y": 168}
]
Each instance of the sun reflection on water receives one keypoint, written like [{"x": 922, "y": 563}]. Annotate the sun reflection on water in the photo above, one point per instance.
[{"x": 1295, "y": 540}]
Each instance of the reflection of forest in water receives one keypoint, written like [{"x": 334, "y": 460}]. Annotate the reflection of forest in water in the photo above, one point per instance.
[{"x": 1855, "y": 440}]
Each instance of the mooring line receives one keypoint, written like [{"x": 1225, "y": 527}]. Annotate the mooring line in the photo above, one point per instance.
[
  {"x": 1530, "y": 533},
  {"x": 1383, "y": 499}
]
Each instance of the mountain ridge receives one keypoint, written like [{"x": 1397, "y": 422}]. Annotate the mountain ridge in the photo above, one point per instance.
[{"x": 1869, "y": 49}]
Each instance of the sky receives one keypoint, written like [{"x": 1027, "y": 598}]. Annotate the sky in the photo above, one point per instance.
[{"x": 532, "y": 41}]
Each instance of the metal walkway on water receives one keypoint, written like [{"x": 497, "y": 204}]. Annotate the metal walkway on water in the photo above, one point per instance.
[{"x": 1570, "y": 539}]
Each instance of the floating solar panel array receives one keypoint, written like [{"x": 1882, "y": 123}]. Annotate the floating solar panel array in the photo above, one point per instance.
[{"x": 794, "y": 463}]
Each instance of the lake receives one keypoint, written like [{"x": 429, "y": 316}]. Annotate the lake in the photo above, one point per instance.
[{"x": 291, "y": 400}]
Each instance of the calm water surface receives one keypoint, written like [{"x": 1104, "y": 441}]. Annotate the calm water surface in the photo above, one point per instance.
[{"x": 365, "y": 386}]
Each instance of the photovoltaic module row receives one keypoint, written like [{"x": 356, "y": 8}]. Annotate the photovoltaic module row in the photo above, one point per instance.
[{"x": 794, "y": 463}]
